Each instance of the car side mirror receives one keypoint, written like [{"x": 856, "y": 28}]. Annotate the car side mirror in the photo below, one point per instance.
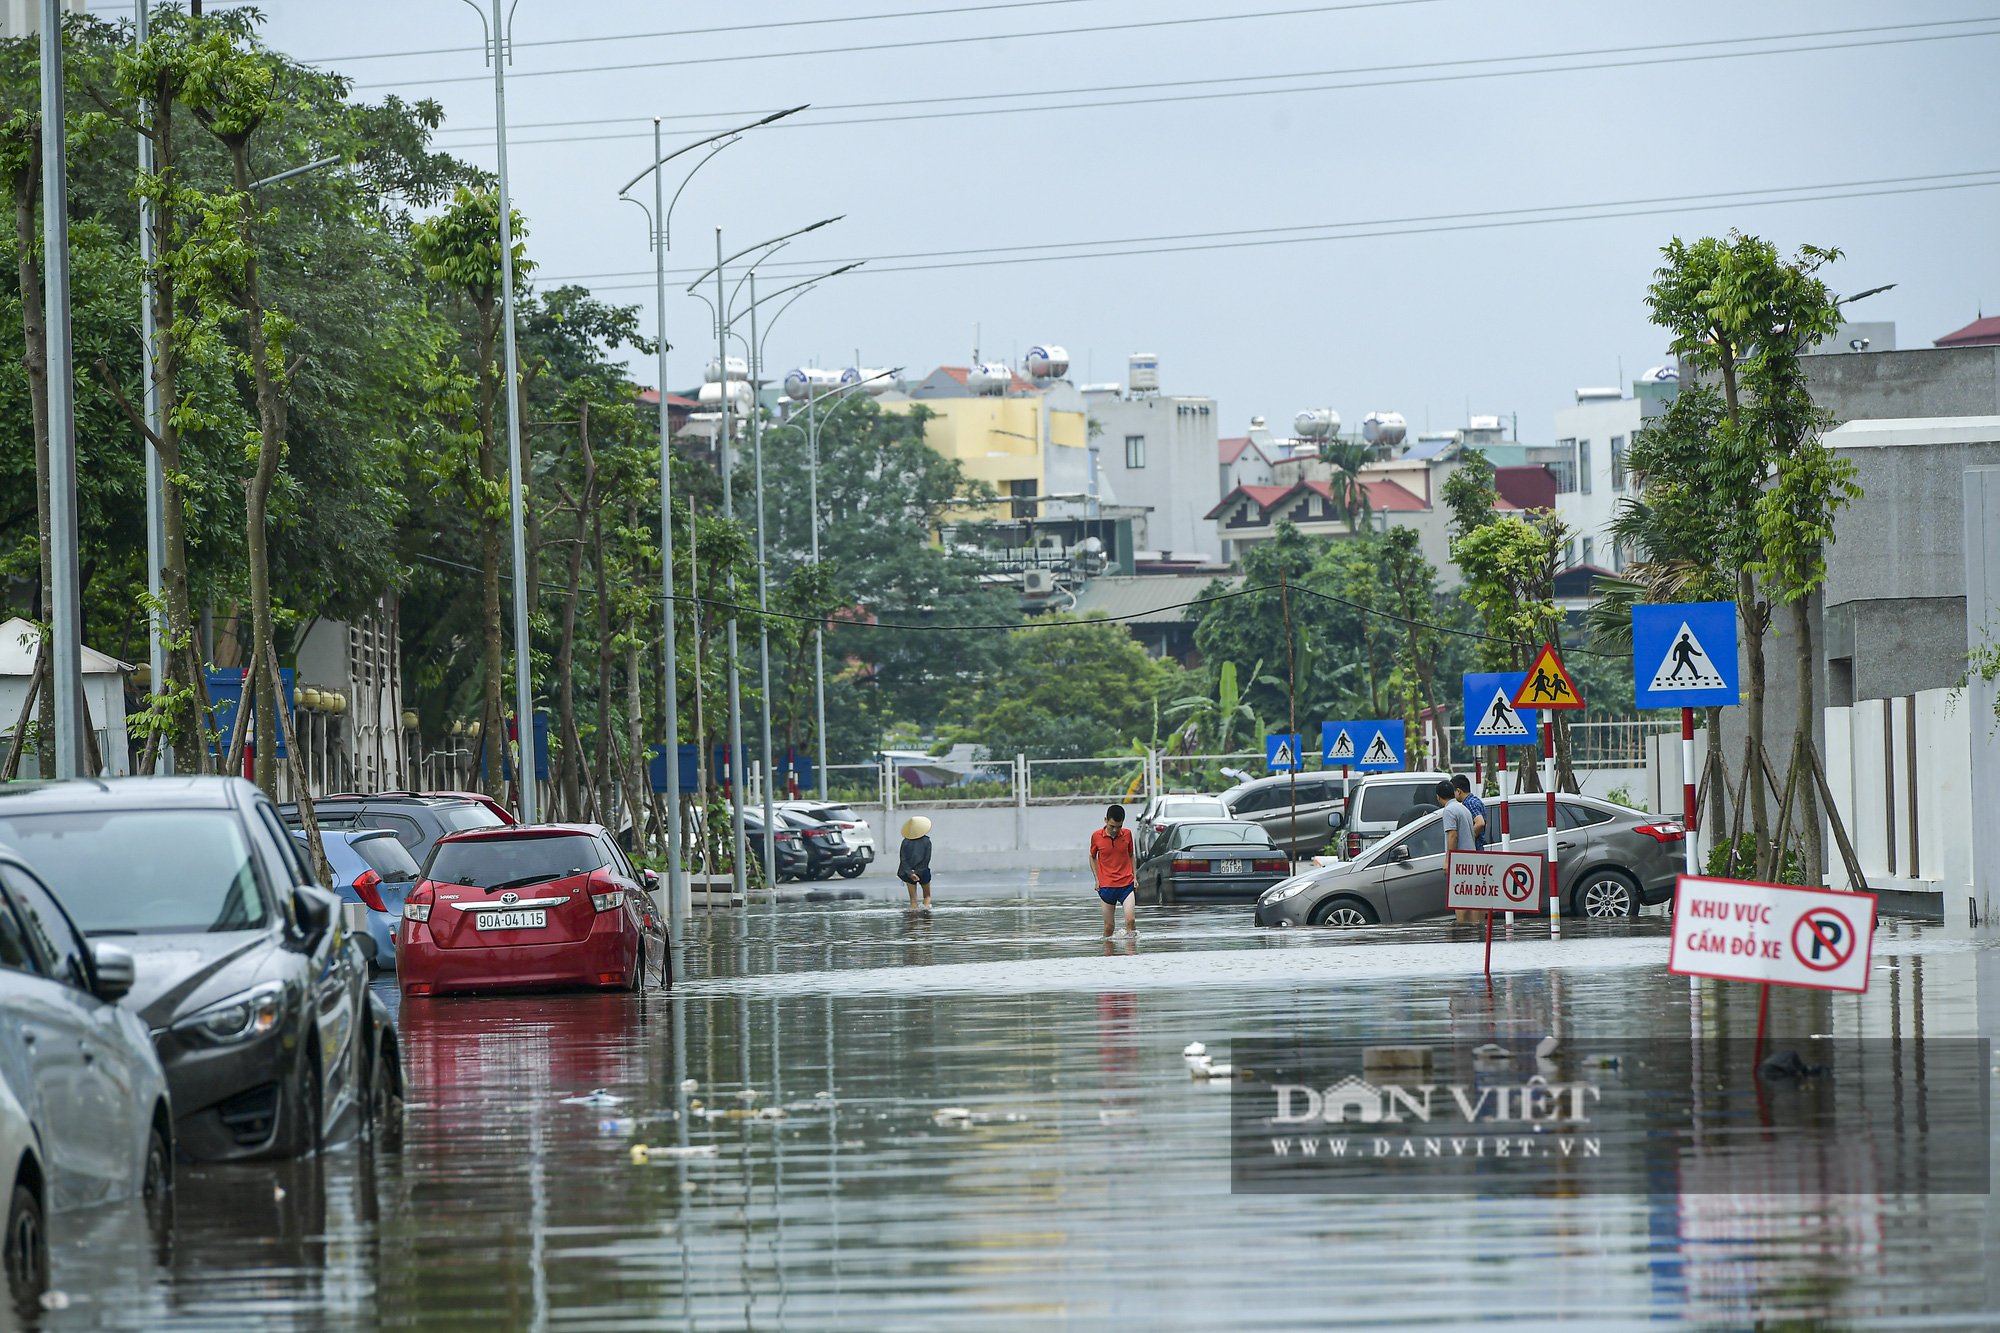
[
  {"x": 652, "y": 878},
  {"x": 1338, "y": 819},
  {"x": 315, "y": 908},
  {"x": 111, "y": 971},
  {"x": 1402, "y": 852}
]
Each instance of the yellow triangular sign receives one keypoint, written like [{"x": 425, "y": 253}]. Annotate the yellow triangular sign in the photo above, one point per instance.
[{"x": 1547, "y": 684}]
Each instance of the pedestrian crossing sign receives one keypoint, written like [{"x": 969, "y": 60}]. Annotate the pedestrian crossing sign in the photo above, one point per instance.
[
  {"x": 1684, "y": 655},
  {"x": 1547, "y": 684},
  {"x": 1490, "y": 715},
  {"x": 1337, "y": 746},
  {"x": 1281, "y": 752},
  {"x": 1382, "y": 748}
]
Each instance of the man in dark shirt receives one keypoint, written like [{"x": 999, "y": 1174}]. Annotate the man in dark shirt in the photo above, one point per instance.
[{"x": 1471, "y": 802}]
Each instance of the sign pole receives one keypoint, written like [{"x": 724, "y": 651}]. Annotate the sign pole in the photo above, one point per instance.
[
  {"x": 1555, "y": 878},
  {"x": 1506, "y": 834},
  {"x": 1688, "y": 813},
  {"x": 1489, "y": 950},
  {"x": 1763, "y": 1011}
]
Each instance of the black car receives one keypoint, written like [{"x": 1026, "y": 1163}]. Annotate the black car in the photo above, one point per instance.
[
  {"x": 1229, "y": 861},
  {"x": 255, "y": 994},
  {"x": 417, "y": 821},
  {"x": 793, "y": 859},
  {"x": 828, "y": 852}
]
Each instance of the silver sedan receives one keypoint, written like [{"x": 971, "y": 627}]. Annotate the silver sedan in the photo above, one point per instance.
[{"x": 1610, "y": 860}]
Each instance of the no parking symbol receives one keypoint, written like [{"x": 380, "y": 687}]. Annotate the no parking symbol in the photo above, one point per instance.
[{"x": 1772, "y": 932}]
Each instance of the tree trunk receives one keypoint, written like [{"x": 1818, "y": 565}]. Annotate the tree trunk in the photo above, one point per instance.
[
  {"x": 489, "y": 552},
  {"x": 635, "y": 741},
  {"x": 566, "y": 650},
  {"x": 1808, "y": 819},
  {"x": 34, "y": 335},
  {"x": 1753, "y": 711},
  {"x": 604, "y": 758}
]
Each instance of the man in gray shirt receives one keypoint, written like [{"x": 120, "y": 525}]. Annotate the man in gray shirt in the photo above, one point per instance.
[{"x": 1458, "y": 832}]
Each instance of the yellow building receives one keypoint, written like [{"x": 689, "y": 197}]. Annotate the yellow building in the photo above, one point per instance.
[{"x": 1028, "y": 442}]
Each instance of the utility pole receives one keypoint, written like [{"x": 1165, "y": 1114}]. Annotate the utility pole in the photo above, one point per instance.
[
  {"x": 156, "y": 537},
  {"x": 736, "y": 765},
  {"x": 66, "y": 658},
  {"x": 756, "y": 364},
  {"x": 524, "y": 662},
  {"x": 677, "y": 903},
  {"x": 819, "y": 627}
]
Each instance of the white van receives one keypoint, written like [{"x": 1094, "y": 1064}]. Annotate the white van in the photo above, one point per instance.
[{"x": 1376, "y": 806}]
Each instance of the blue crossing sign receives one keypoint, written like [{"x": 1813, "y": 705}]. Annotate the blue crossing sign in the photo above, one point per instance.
[
  {"x": 1283, "y": 753},
  {"x": 1490, "y": 715},
  {"x": 1381, "y": 746},
  {"x": 1684, "y": 655},
  {"x": 1339, "y": 746}
]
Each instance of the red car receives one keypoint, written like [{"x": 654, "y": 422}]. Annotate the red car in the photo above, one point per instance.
[{"x": 530, "y": 906}]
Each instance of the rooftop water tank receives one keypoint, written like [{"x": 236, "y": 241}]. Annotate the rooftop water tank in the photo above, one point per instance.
[
  {"x": 738, "y": 370},
  {"x": 875, "y": 380},
  {"x": 1317, "y": 423},
  {"x": 1608, "y": 394},
  {"x": 990, "y": 377},
  {"x": 739, "y": 395},
  {"x": 811, "y": 382},
  {"x": 1142, "y": 373},
  {"x": 1048, "y": 363},
  {"x": 1384, "y": 430}
]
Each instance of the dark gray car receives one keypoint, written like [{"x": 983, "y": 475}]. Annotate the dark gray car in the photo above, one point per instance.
[
  {"x": 256, "y": 996},
  {"x": 1610, "y": 861},
  {"x": 417, "y": 821},
  {"x": 1209, "y": 861},
  {"x": 1302, "y": 828}
]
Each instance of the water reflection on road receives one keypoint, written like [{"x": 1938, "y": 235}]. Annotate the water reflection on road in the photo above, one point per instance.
[{"x": 809, "y": 1182}]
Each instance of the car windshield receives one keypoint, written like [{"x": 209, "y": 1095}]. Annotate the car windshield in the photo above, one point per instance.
[
  {"x": 497, "y": 863},
  {"x": 1189, "y": 835},
  {"x": 1389, "y": 801},
  {"x": 839, "y": 812},
  {"x": 458, "y": 818},
  {"x": 106, "y": 867},
  {"x": 1208, "y": 806},
  {"x": 386, "y": 857}
]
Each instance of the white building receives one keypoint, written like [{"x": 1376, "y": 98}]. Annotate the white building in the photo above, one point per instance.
[
  {"x": 1157, "y": 452},
  {"x": 1588, "y": 459},
  {"x": 103, "y": 694}
]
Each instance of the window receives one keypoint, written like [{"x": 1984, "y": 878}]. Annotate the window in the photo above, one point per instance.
[
  {"x": 94, "y": 857},
  {"x": 1564, "y": 467},
  {"x": 1590, "y": 550},
  {"x": 1135, "y": 451},
  {"x": 386, "y": 857},
  {"x": 1257, "y": 798},
  {"x": 1569, "y": 815},
  {"x": 1618, "y": 462},
  {"x": 55, "y": 941},
  {"x": 1205, "y": 835},
  {"x": 1583, "y": 466},
  {"x": 1024, "y": 497},
  {"x": 1380, "y": 805},
  {"x": 1425, "y": 839},
  {"x": 14, "y": 953},
  {"x": 402, "y": 826},
  {"x": 488, "y": 863}
]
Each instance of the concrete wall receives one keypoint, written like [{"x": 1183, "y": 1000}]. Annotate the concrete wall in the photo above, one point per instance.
[
  {"x": 1921, "y": 382},
  {"x": 1981, "y": 519},
  {"x": 1003, "y": 837},
  {"x": 1900, "y": 770}
]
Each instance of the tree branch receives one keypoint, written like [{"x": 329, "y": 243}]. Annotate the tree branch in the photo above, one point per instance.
[{"x": 111, "y": 382}]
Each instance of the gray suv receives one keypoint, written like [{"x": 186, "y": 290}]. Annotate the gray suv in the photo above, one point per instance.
[
  {"x": 1269, "y": 802},
  {"x": 1610, "y": 860}
]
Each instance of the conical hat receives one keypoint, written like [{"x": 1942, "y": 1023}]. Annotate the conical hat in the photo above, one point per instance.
[{"x": 916, "y": 826}]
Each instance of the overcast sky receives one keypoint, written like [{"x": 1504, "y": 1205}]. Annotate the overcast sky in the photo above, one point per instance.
[{"x": 1459, "y": 315}]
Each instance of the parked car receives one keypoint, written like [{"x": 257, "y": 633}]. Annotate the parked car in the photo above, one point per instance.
[
  {"x": 255, "y": 994},
  {"x": 79, "y": 1069},
  {"x": 1270, "y": 802},
  {"x": 788, "y": 841},
  {"x": 827, "y": 850},
  {"x": 24, "y": 1250},
  {"x": 1165, "y": 809},
  {"x": 530, "y": 906},
  {"x": 1610, "y": 861},
  {"x": 417, "y": 819},
  {"x": 500, "y": 812},
  {"x": 1210, "y": 861},
  {"x": 371, "y": 873},
  {"x": 1376, "y": 806},
  {"x": 851, "y": 825}
]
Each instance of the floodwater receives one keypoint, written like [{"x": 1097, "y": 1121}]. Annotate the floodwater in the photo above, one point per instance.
[{"x": 1087, "y": 1189}]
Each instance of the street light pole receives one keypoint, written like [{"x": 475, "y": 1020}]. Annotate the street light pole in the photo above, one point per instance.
[
  {"x": 66, "y": 658},
  {"x": 676, "y": 877},
  {"x": 156, "y": 536},
  {"x": 756, "y": 364},
  {"x": 524, "y": 686},
  {"x": 724, "y": 460}
]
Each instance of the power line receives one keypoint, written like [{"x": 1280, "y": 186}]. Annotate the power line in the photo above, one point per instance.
[
  {"x": 1650, "y": 49},
  {"x": 920, "y": 42},
  {"x": 1487, "y": 221},
  {"x": 701, "y": 32}
]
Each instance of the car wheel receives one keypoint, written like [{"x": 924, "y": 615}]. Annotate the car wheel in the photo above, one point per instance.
[
  {"x": 385, "y": 1099},
  {"x": 159, "y": 1177},
  {"x": 306, "y": 1098},
  {"x": 1606, "y": 893},
  {"x": 1343, "y": 913},
  {"x": 27, "y": 1248},
  {"x": 638, "y": 968},
  {"x": 853, "y": 871}
]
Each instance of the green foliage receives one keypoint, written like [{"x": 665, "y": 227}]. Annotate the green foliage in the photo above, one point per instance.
[
  {"x": 1075, "y": 689},
  {"x": 1469, "y": 493}
]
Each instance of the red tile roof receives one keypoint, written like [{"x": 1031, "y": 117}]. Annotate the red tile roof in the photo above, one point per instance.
[
  {"x": 1387, "y": 496},
  {"x": 652, "y": 396},
  {"x": 1979, "y": 333},
  {"x": 1232, "y": 448}
]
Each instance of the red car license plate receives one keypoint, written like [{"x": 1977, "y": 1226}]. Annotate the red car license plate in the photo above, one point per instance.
[{"x": 522, "y": 920}]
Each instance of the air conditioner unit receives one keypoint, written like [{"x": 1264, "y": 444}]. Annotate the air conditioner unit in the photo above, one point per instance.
[{"x": 1038, "y": 583}]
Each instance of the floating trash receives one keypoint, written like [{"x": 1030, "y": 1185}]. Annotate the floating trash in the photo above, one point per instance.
[
  {"x": 770, "y": 1113},
  {"x": 1492, "y": 1050},
  {"x": 1113, "y": 1115},
  {"x": 277, "y": 1191},
  {"x": 595, "y": 1097},
  {"x": 1600, "y": 1062},
  {"x": 624, "y": 1125},
  {"x": 747, "y": 1094},
  {"x": 1545, "y": 1048},
  {"x": 1213, "y": 1070},
  {"x": 952, "y": 1115},
  {"x": 55, "y": 1300},
  {"x": 689, "y": 1085}
]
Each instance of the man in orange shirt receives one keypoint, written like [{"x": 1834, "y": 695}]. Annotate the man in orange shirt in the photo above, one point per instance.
[{"x": 1111, "y": 862}]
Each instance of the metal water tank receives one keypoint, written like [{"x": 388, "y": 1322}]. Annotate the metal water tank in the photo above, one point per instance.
[
  {"x": 875, "y": 380},
  {"x": 738, "y": 370},
  {"x": 1142, "y": 373},
  {"x": 990, "y": 377},
  {"x": 1317, "y": 423},
  {"x": 811, "y": 382},
  {"x": 1384, "y": 430},
  {"x": 710, "y": 395},
  {"x": 1048, "y": 363}
]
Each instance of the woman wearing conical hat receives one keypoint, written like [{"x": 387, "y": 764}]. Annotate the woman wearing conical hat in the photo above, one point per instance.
[{"x": 913, "y": 866}]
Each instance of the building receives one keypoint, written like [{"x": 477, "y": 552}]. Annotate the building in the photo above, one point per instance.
[
  {"x": 104, "y": 680},
  {"x": 1029, "y": 440},
  {"x": 23, "y": 18},
  {"x": 1155, "y": 452},
  {"x": 1981, "y": 332},
  {"x": 1588, "y": 461},
  {"x": 1153, "y": 608}
]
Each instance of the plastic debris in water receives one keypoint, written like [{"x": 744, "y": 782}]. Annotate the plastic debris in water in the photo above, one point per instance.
[
  {"x": 689, "y": 1085},
  {"x": 623, "y": 1125},
  {"x": 595, "y": 1097},
  {"x": 1492, "y": 1050},
  {"x": 1212, "y": 1070},
  {"x": 55, "y": 1300},
  {"x": 1193, "y": 1049},
  {"x": 1545, "y": 1048},
  {"x": 1112, "y": 1115},
  {"x": 747, "y": 1094},
  {"x": 277, "y": 1192},
  {"x": 770, "y": 1113},
  {"x": 1600, "y": 1062},
  {"x": 952, "y": 1115}
]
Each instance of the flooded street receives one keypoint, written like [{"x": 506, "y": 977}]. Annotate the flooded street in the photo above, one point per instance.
[{"x": 1078, "y": 1178}]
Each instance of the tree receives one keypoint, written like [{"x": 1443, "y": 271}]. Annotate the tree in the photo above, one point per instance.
[
  {"x": 1509, "y": 565},
  {"x": 1350, "y": 497},
  {"x": 1072, "y": 689}
]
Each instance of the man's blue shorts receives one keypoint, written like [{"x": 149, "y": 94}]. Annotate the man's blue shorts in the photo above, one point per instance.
[{"x": 1114, "y": 895}]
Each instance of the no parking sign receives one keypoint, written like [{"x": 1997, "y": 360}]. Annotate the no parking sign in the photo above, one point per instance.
[{"x": 1776, "y": 933}]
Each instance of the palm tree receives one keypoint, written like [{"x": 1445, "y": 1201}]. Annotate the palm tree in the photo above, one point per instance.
[{"x": 1350, "y": 497}]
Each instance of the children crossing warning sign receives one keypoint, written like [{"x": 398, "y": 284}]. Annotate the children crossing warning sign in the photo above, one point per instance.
[
  {"x": 1490, "y": 715},
  {"x": 1684, "y": 655},
  {"x": 1281, "y": 753},
  {"x": 1547, "y": 683}
]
